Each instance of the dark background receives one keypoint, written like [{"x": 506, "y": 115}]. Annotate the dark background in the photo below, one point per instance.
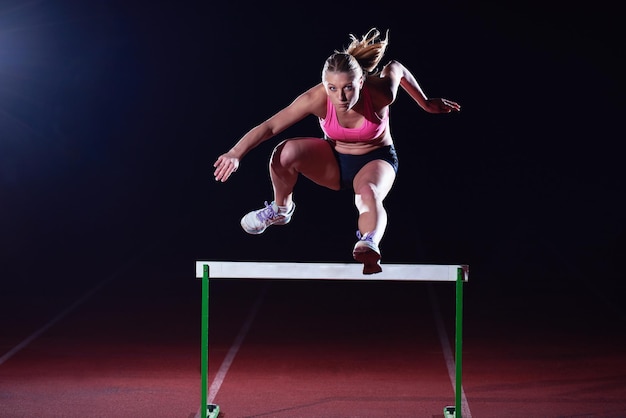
[{"x": 113, "y": 112}]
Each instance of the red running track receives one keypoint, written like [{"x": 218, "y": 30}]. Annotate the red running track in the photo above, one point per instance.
[{"x": 126, "y": 343}]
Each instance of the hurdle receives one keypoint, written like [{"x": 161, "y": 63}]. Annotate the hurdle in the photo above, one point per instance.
[{"x": 206, "y": 270}]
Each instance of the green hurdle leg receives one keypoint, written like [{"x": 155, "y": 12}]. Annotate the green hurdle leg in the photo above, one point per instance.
[
  {"x": 456, "y": 410},
  {"x": 205, "y": 408},
  {"x": 459, "y": 343}
]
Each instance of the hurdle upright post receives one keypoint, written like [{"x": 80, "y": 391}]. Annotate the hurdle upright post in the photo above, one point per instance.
[
  {"x": 456, "y": 410},
  {"x": 204, "y": 344},
  {"x": 206, "y": 409},
  {"x": 458, "y": 344}
]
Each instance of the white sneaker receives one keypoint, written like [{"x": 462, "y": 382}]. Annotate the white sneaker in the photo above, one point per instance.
[
  {"x": 257, "y": 221},
  {"x": 366, "y": 251}
]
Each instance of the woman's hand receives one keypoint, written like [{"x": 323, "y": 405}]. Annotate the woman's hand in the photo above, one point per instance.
[
  {"x": 439, "y": 105},
  {"x": 225, "y": 166}
]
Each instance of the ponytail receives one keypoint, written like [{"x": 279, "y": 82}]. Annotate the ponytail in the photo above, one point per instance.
[{"x": 362, "y": 56}]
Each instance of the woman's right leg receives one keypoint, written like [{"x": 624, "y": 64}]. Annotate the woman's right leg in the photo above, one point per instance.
[{"x": 311, "y": 157}]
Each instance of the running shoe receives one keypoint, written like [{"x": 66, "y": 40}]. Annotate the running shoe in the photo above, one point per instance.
[
  {"x": 257, "y": 221},
  {"x": 366, "y": 251}
]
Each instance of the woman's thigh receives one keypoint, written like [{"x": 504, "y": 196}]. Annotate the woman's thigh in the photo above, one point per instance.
[
  {"x": 311, "y": 157},
  {"x": 376, "y": 177}
]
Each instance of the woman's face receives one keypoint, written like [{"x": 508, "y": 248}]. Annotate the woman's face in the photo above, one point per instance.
[{"x": 343, "y": 89}]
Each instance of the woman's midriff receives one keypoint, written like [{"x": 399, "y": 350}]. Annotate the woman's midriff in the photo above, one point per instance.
[{"x": 360, "y": 148}]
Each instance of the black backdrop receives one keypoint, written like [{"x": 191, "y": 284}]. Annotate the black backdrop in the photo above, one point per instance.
[{"x": 112, "y": 113}]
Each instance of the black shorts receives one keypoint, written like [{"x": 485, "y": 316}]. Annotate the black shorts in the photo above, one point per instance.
[{"x": 350, "y": 165}]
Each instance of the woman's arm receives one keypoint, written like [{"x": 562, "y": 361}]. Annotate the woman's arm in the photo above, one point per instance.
[
  {"x": 305, "y": 104},
  {"x": 399, "y": 75}
]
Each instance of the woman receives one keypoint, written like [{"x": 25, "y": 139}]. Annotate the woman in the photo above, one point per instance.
[{"x": 357, "y": 152}]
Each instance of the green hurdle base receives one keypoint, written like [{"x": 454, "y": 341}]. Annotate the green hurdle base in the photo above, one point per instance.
[
  {"x": 212, "y": 410},
  {"x": 448, "y": 412}
]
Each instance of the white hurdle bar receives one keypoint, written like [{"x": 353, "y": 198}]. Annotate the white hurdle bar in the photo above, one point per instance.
[{"x": 458, "y": 273}]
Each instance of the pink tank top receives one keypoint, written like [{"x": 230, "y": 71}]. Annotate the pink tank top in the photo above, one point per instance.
[{"x": 372, "y": 127}]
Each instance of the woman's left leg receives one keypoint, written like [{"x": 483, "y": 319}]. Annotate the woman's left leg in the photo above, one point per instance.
[{"x": 371, "y": 185}]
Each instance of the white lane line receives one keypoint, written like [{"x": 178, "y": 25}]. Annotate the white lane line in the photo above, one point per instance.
[
  {"x": 232, "y": 352},
  {"x": 447, "y": 351},
  {"x": 54, "y": 320},
  {"x": 73, "y": 306}
]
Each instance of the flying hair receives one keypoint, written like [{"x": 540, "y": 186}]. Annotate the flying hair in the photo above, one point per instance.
[
  {"x": 369, "y": 50},
  {"x": 361, "y": 56}
]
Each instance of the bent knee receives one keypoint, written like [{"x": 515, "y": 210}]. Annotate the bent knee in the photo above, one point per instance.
[
  {"x": 367, "y": 193},
  {"x": 284, "y": 154}
]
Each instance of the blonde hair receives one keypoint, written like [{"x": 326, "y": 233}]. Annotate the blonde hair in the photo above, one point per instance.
[{"x": 362, "y": 55}]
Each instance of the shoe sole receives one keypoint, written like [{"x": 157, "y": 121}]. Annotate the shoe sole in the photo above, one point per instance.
[
  {"x": 260, "y": 231},
  {"x": 369, "y": 258}
]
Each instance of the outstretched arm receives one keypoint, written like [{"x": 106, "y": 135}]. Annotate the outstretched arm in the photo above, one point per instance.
[
  {"x": 399, "y": 75},
  {"x": 302, "y": 106}
]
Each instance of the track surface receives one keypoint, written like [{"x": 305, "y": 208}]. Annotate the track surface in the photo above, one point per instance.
[{"x": 125, "y": 342}]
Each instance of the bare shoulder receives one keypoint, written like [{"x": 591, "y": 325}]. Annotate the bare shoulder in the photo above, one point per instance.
[
  {"x": 317, "y": 92},
  {"x": 392, "y": 68},
  {"x": 307, "y": 103},
  {"x": 381, "y": 90},
  {"x": 313, "y": 100}
]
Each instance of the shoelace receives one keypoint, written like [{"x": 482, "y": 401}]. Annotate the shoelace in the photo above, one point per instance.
[
  {"x": 267, "y": 213},
  {"x": 367, "y": 237}
]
